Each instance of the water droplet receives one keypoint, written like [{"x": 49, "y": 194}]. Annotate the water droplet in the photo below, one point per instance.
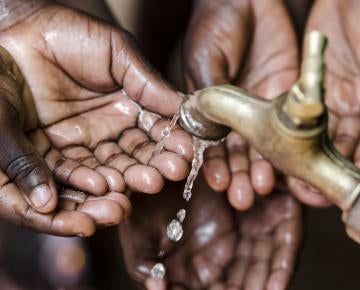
[
  {"x": 181, "y": 215},
  {"x": 187, "y": 194},
  {"x": 166, "y": 132},
  {"x": 161, "y": 254},
  {"x": 158, "y": 271},
  {"x": 174, "y": 231}
]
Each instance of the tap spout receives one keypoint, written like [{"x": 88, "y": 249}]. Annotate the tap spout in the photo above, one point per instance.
[{"x": 305, "y": 153}]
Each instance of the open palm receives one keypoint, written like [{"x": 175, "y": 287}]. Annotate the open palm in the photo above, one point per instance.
[
  {"x": 255, "y": 249},
  {"x": 81, "y": 87}
]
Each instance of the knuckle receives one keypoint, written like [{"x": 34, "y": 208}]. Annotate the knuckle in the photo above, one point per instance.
[
  {"x": 127, "y": 37},
  {"x": 23, "y": 167}
]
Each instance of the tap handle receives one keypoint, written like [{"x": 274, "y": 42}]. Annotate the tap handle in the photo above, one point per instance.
[
  {"x": 313, "y": 68},
  {"x": 305, "y": 104}
]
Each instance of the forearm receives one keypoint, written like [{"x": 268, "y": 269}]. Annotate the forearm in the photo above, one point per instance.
[{"x": 13, "y": 11}]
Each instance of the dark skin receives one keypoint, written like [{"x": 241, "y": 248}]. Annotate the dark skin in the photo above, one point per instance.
[
  {"x": 86, "y": 114},
  {"x": 220, "y": 250},
  {"x": 339, "y": 21},
  {"x": 252, "y": 44}
]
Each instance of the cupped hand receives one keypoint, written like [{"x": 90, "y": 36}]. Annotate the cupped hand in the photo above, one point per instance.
[
  {"x": 251, "y": 44},
  {"x": 219, "y": 250},
  {"x": 86, "y": 110},
  {"x": 77, "y": 214},
  {"x": 268, "y": 241},
  {"x": 199, "y": 257}
]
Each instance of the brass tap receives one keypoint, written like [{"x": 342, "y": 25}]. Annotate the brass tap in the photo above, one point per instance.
[{"x": 290, "y": 131}]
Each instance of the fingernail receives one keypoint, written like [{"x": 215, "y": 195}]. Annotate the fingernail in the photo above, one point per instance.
[{"x": 41, "y": 195}]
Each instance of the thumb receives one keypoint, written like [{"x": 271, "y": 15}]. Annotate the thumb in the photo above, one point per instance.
[
  {"x": 22, "y": 163},
  {"x": 215, "y": 43},
  {"x": 139, "y": 79}
]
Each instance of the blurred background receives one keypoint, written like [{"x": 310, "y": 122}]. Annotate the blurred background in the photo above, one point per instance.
[{"x": 327, "y": 259}]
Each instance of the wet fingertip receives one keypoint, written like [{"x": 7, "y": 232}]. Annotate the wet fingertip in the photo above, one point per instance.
[
  {"x": 115, "y": 181},
  {"x": 217, "y": 174},
  {"x": 306, "y": 195},
  {"x": 122, "y": 200},
  {"x": 262, "y": 177},
  {"x": 105, "y": 212},
  {"x": 142, "y": 178},
  {"x": 279, "y": 279},
  {"x": 240, "y": 193},
  {"x": 69, "y": 223},
  {"x": 171, "y": 166},
  {"x": 89, "y": 181}
]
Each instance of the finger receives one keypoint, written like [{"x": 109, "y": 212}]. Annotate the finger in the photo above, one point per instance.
[
  {"x": 14, "y": 208},
  {"x": 71, "y": 172},
  {"x": 138, "y": 267},
  {"x": 71, "y": 199},
  {"x": 82, "y": 155},
  {"x": 211, "y": 260},
  {"x": 282, "y": 268},
  {"x": 259, "y": 267},
  {"x": 120, "y": 63},
  {"x": 238, "y": 271},
  {"x": 347, "y": 135},
  {"x": 139, "y": 178},
  {"x": 107, "y": 210},
  {"x": 170, "y": 165},
  {"x": 140, "y": 81},
  {"x": 22, "y": 163},
  {"x": 216, "y": 171},
  {"x": 240, "y": 192},
  {"x": 179, "y": 141},
  {"x": 262, "y": 174},
  {"x": 154, "y": 284},
  {"x": 212, "y": 54},
  {"x": 137, "y": 145},
  {"x": 272, "y": 71},
  {"x": 307, "y": 194},
  {"x": 114, "y": 179},
  {"x": 287, "y": 240}
]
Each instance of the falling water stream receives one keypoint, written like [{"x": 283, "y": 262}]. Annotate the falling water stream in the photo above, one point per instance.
[
  {"x": 174, "y": 229},
  {"x": 166, "y": 134}
]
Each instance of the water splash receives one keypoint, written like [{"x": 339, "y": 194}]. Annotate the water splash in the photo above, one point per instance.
[
  {"x": 166, "y": 134},
  {"x": 199, "y": 147},
  {"x": 174, "y": 229}
]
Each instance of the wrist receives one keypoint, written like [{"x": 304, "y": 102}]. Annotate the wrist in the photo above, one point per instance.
[{"x": 14, "y": 11}]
